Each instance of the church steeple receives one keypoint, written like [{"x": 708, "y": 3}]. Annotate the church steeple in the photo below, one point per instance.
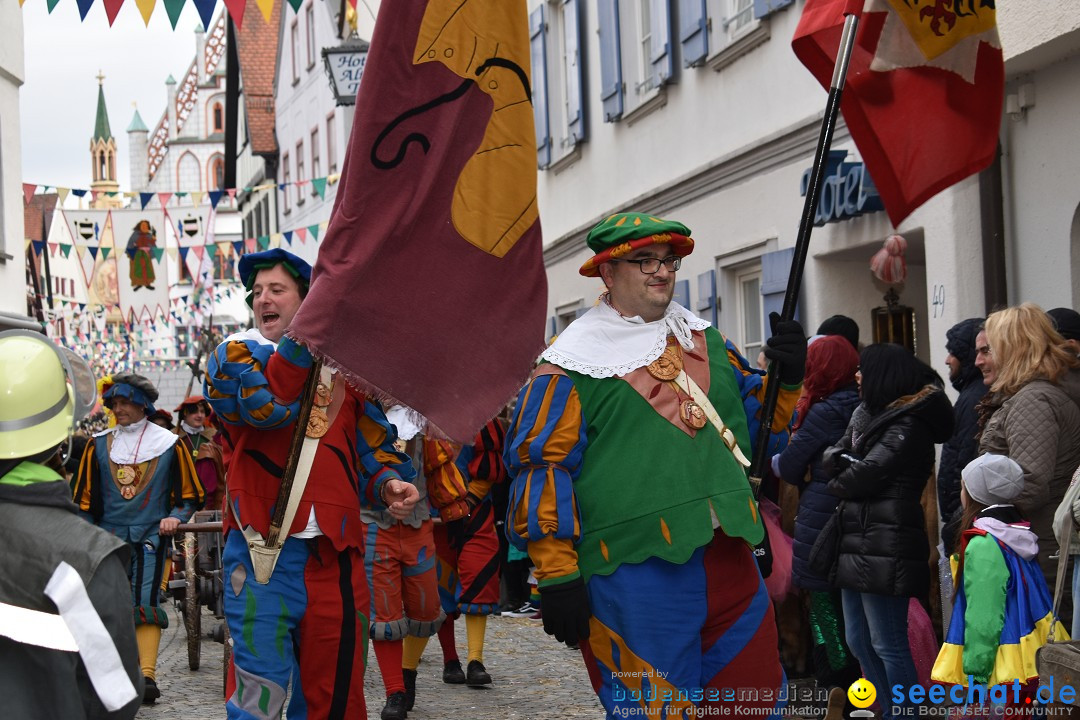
[
  {"x": 101, "y": 124},
  {"x": 103, "y": 155}
]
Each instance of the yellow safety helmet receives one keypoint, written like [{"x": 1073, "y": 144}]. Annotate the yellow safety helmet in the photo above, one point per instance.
[{"x": 37, "y": 403}]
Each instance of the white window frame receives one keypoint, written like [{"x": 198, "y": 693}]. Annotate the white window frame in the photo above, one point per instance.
[
  {"x": 286, "y": 181},
  {"x": 560, "y": 83},
  {"x": 316, "y": 165},
  {"x": 309, "y": 32},
  {"x": 729, "y": 37},
  {"x": 640, "y": 95},
  {"x": 743, "y": 279},
  {"x": 567, "y": 313},
  {"x": 300, "y": 171},
  {"x": 331, "y": 145},
  {"x": 294, "y": 41}
]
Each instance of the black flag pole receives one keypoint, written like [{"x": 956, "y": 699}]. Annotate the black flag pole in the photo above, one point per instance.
[{"x": 802, "y": 243}]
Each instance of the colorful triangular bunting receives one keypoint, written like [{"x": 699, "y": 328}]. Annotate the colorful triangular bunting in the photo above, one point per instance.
[
  {"x": 111, "y": 8},
  {"x": 266, "y": 7},
  {"x": 146, "y": 9},
  {"x": 206, "y": 11},
  {"x": 173, "y": 8},
  {"x": 236, "y": 10},
  {"x": 145, "y": 197},
  {"x": 320, "y": 187},
  {"x": 28, "y": 191}
]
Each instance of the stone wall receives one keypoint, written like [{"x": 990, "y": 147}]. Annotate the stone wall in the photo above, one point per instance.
[{"x": 171, "y": 384}]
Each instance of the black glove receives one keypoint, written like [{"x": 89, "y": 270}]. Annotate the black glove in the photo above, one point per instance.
[
  {"x": 565, "y": 611},
  {"x": 837, "y": 459},
  {"x": 787, "y": 346}
]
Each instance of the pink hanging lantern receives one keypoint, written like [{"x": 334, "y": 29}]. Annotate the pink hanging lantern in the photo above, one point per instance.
[{"x": 888, "y": 264}]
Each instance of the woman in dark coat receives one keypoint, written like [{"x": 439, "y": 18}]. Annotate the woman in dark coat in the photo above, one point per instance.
[
  {"x": 830, "y": 396},
  {"x": 879, "y": 469}
]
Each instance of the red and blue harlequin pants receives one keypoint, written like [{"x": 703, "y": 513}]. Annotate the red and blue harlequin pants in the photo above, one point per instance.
[
  {"x": 468, "y": 567},
  {"x": 665, "y": 638},
  {"x": 305, "y": 631}
]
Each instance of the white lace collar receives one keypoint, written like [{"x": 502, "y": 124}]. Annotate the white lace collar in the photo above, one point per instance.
[
  {"x": 602, "y": 343},
  {"x": 148, "y": 439}
]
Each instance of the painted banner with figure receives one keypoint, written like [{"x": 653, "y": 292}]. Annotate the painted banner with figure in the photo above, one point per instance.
[
  {"x": 141, "y": 274},
  {"x": 432, "y": 260}
]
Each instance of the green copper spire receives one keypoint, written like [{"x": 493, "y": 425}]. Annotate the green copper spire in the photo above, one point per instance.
[
  {"x": 137, "y": 124},
  {"x": 101, "y": 123}
]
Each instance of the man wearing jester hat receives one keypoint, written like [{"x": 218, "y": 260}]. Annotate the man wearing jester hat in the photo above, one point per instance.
[
  {"x": 307, "y": 636},
  {"x": 628, "y": 454},
  {"x": 137, "y": 483}
]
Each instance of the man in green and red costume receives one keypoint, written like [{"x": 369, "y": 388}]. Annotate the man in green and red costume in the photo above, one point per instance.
[{"x": 628, "y": 454}]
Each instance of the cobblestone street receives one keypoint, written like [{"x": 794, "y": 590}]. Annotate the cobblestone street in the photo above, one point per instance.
[{"x": 535, "y": 678}]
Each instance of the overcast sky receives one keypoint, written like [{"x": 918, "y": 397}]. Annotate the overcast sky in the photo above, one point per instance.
[{"x": 59, "y": 99}]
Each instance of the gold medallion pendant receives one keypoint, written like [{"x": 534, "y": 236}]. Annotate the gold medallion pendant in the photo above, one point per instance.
[
  {"x": 127, "y": 474},
  {"x": 318, "y": 423},
  {"x": 692, "y": 414},
  {"x": 128, "y": 477},
  {"x": 667, "y": 366}
]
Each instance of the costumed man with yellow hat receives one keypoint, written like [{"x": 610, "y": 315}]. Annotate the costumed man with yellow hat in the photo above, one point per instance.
[
  {"x": 296, "y": 602},
  {"x": 137, "y": 483},
  {"x": 204, "y": 443},
  {"x": 67, "y": 640},
  {"x": 628, "y": 453}
]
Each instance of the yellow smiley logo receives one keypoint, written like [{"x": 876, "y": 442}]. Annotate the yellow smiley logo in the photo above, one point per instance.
[{"x": 862, "y": 693}]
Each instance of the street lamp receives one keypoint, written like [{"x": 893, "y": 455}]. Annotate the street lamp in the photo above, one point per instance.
[{"x": 345, "y": 66}]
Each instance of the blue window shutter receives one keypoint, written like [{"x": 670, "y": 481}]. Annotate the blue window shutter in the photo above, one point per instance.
[
  {"x": 693, "y": 31},
  {"x": 581, "y": 311},
  {"x": 775, "y": 268},
  {"x": 553, "y": 327},
  {"x": 706, "y": 292},
  {"x": 538, "y": 45},
  {"x": 682, "y": 293},
  {"x": 660, "y": 42},
  {"x": 575, "y": 80},
  {"x": 764, "y": 8},
  {"x": 611, "y": 82}
]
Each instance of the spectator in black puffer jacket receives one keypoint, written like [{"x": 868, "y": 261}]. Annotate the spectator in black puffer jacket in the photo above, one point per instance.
[
  {"x": 963, "y": 446},
  {"x": 880, "y": 468},
  {"x": 829, "y": 397}
]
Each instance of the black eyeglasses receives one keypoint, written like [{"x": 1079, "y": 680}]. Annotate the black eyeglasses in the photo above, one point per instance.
[{"x": 651, "y": 265}]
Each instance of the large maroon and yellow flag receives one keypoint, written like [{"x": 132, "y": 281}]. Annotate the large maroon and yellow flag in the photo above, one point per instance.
[
  {"x": 924, "y": 89},
  {"x": 429, "y": 289}
]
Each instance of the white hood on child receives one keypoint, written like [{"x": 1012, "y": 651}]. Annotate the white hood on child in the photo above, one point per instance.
[{"x": 1018, "y": 537}]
